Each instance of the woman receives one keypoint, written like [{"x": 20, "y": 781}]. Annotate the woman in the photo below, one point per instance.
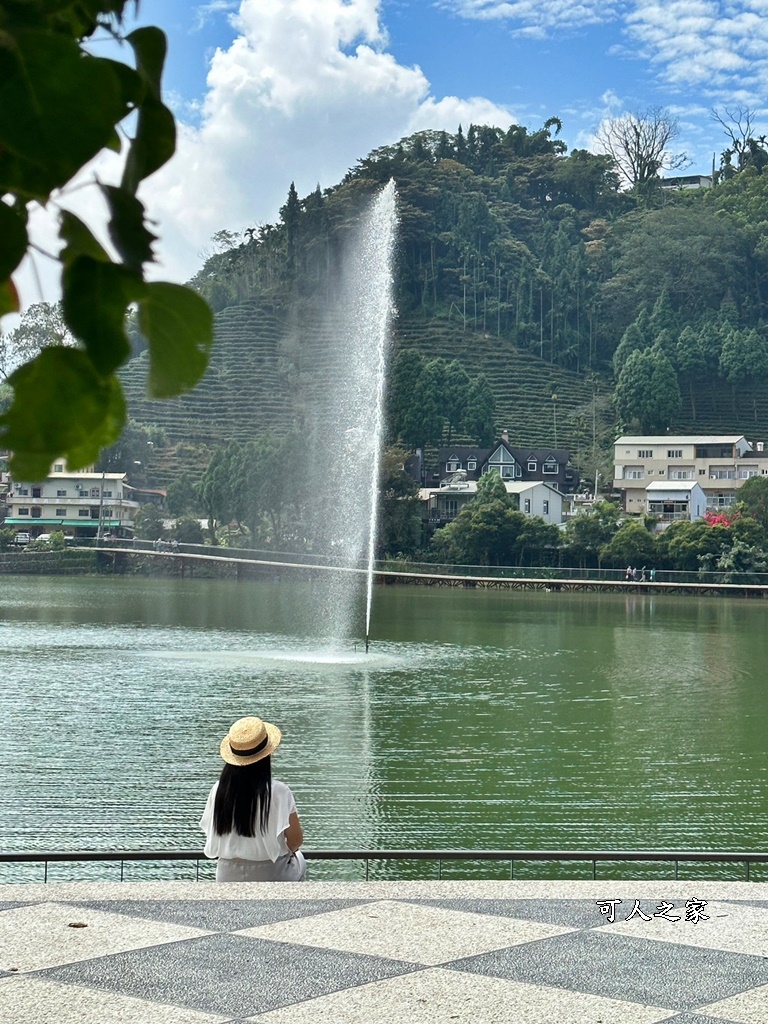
[{"x": 250, "y": 819}]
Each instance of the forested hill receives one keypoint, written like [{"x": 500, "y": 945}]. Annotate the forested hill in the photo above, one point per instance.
[{"x": 574, "y": 305}]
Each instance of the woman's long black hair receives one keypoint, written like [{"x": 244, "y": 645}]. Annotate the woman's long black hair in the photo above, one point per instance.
[{"x": 244, "y": 793}]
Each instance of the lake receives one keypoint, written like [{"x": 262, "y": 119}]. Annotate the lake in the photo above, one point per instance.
[{"x": 485, "y": 719}]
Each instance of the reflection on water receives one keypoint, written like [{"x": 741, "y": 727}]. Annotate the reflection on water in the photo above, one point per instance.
[{"x": 485, "y": 720}]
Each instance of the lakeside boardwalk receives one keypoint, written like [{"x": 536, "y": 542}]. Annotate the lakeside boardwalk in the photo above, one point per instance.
[
  {"x": 630, "y": 952},
  {"x": 503, "y": 579}
]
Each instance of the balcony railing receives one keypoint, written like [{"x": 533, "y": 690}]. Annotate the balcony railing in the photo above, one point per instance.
[{"x": 397, "y": 858}]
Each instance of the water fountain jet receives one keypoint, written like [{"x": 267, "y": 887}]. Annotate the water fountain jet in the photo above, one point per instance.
[{"x": 349, "y": 423}]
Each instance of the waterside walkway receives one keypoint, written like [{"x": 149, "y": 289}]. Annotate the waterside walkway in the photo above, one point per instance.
[
  {"x": 246, "y": 564},
  {"x": 397, "y": 952}
]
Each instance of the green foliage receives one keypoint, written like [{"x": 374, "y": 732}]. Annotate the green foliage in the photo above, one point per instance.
[
  {"x": 187, "y": 530},
  {"x": 184, "y": 496},
  {"x": 7, "y": 539},
  {"x": 744, "y": 355},
  {"x": 60, "y": 105},
  {"x": 753, "y": 497},
  {"x": 149, "y": 523},
  {"x": 686, "y": 545},
  {"x": 400, "y": 507},
  {"x": 647, "y": 391},
  {"x": 588, "y": 533},
  {"x": 632, "y": 544}
]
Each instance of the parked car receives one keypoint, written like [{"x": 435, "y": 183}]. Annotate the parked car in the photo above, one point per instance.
[
  {"x": 44, "y": 537},
  {"x": 21, "y": 538}
]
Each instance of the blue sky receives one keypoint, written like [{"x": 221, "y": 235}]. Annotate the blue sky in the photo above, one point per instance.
[{"x": 272, "y": 91}]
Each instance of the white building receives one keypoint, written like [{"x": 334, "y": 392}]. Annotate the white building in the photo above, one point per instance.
[
  {"x": 676, "y": 499},
  {"x": 443, "y": 504},
  {"x": 718, "y": 463},
  {"x": 84, "y": 504}
]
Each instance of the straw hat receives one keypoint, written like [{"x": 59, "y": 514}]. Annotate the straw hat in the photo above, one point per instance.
[{"x": 249, "y": 740}]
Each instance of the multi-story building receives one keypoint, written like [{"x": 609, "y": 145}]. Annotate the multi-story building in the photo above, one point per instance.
[
  {"x": 719, "y": 464},
  {"x": 83, "y": 504}
]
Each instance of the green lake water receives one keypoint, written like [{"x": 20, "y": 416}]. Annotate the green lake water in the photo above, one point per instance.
[{"x": 479, "y": 719}]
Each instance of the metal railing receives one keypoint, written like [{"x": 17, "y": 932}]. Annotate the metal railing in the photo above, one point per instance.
[{"x": 593, "y": 857}]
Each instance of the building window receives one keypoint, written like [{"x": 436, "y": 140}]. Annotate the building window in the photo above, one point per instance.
[
  {"x": 22, "y": 491},
  {"x": 684, "y": 473},
  {"x": 527, "y": 505},
  {"x": 532, "y": 466},
  {"x": 37, "y": 492},
  {"x": 94, "y": 512},
  {"x": 107, "y": 494},
  {"x": 702, "y": 472},
  {"x": 551, "y": 467},
  {"x": 59, "y": 467},
  {"x": 634, "y": 473},
  {"x": 94, "y": 492},
  {"x": 37, "y": 512},
  {"x": 61, "y": 513},
  {"x": 450, "y": 467},
  {"x": 545, "y": 508},
  {"x": 674, "y": 453},
  {"x": 83, "y": 513},
  {"x": 23, "y": 511},
  {"x": 471, "y": 464},
  {"x": 645, "y": 453},
  {"x": 61, "y": 494}
]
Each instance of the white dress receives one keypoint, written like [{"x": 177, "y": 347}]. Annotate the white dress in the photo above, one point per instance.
[{"x": 263, "y": 857}]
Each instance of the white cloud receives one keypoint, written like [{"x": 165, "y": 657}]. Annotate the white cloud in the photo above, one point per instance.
[
  {"x": 536, "y": 17},
  {"x": 305, "y": 90},
  {"x": 717, "y": 46}
]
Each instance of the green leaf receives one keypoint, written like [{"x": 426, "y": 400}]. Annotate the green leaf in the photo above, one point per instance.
[
  {"x": 150, "y": 47},
  {"x": 9, "y": 298},
  {"x": 13, "y": 240},
  {"x": 153, "y": 146},
  {"x": 79, "y": 240},
  {"x": 58, "y": 109},
  {"x": 155, "y": 140},
  {"x": 178, "y": 327},
  {"x": 61, "y": 407},
  {"x": 95, "y": 299},
  {"x": 127, "y": 229}
]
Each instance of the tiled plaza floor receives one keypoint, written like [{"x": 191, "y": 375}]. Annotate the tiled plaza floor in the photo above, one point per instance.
[{"x": 399, "y": 953}]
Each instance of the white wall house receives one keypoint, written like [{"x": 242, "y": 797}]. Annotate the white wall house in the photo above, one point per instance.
[
  {"x": 676, "y": 499},
  {"x": 443, "y": 504},
  {"x": 719, "y": 464},
  {"x": 79, "y": 504}
]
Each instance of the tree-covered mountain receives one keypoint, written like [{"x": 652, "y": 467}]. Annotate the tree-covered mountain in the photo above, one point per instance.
[{"x": 579, "y": 306}]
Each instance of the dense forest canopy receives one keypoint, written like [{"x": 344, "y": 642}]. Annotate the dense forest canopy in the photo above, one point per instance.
[{"x": 507, "y": 233}]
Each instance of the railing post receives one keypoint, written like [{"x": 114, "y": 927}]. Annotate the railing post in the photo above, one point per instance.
[
  {"x": 594, "y": 868},
  {"x": 439, "y": 869},
  {"x": 122, "y": 868},
  {"x": 45, "y": 871}
]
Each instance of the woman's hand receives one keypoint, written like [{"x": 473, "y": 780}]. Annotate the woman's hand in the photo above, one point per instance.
[{"x": 294, "y": 834}]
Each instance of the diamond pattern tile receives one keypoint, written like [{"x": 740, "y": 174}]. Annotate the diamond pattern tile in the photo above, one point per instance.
[
  {"x": 618, "y": 967},
  {"x": 221, "y": 915},
  {"x": 361, "y": 953},
  {"x": 437, "y": 996},
  {"x": 566, "y": 913},
  {"x": 49, "y": 934},
  {"x": 228, "y": 974},
  {"x": 398, "y": 930},
  {"x": 29, "y": 1000}
]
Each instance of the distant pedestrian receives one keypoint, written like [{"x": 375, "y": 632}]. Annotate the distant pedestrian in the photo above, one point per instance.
[
  {"x": 642, "y": 575},
  {"x": 653, "y": 575},
  {"x": 634, "y": 575},
  {"x": 629, "y": 573}
]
